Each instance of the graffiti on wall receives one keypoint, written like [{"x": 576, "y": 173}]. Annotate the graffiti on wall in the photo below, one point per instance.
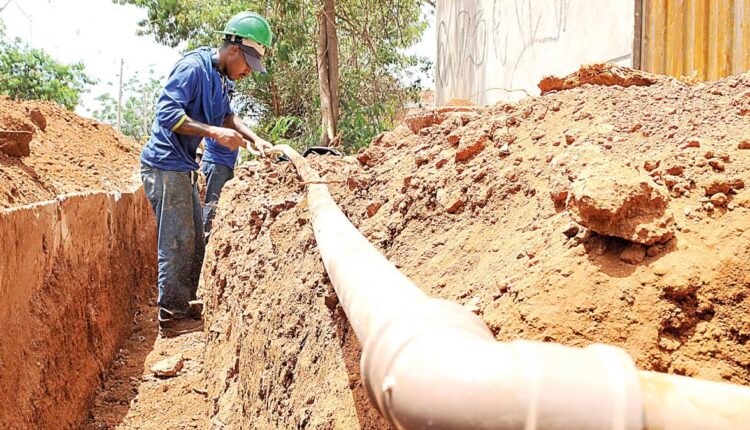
[
  {"x": 462, "y": 45},
  {"x": 528, "y": 23},
  {"x": 468, "y": 35}
]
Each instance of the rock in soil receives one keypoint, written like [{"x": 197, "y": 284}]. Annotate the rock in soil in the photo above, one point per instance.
[
  {"x": 16, "y": 143},
  {"x": 618, "y": 201},
  {"x": 168, "y": 367},
  {"x": 633, "y": 254}
]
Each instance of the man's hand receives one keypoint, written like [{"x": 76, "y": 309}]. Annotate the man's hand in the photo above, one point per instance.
[
  {"x": 227, "y": 137},
  {"x": 262, "y": 146}
]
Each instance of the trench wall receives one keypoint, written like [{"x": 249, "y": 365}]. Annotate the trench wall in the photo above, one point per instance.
[{"x": 70, "y": 272}]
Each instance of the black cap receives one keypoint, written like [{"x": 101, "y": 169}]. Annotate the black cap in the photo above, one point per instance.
[{"x": 252, "y": 58}]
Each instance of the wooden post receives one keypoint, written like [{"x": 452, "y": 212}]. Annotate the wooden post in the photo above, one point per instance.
[{"x": 328, "y": 72}]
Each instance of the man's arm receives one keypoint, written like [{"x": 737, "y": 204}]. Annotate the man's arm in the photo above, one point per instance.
[
  {"x": 232, "y": 121},
  {"x": 225, "y": 136}
]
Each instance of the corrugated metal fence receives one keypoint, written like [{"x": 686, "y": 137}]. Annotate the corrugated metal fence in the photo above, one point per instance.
[{"x": 708, "y": 39}]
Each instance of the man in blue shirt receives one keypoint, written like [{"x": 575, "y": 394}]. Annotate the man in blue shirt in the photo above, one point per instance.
[{"x": 195, "y": 105}]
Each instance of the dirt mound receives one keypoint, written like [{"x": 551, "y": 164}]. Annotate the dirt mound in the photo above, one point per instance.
[
  {"x": 600, "y": 74},
  {"x": 46, "y": 151},
  {"x": 526, "y": 213}
]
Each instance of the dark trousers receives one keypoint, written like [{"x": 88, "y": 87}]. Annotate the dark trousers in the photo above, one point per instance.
[
  {"x": 216, "y": 176},
  {"x": 174, "y": 198}
]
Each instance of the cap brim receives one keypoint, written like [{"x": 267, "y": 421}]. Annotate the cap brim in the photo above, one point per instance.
[{"x": 253, "y": 59}]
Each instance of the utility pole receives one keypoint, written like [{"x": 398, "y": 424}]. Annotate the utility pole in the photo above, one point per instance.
[{"x": 119, "y": 97}]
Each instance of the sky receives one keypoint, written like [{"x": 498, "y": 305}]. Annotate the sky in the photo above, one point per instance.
[
  {"x": 100, "y": 33},
  {"x": 427, "y": 47},
  {"x": 97, "y": 32}
]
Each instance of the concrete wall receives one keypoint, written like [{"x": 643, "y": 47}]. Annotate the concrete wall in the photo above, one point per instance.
[
  {"x": 70, "y": 270},
  {"x": 485, "y": 46}
]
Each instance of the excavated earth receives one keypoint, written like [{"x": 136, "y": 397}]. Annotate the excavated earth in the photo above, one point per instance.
[
  {"x": 77, "y": 253},
  {"x": 613, "y": 209},
  {"x": 46, "y": 151}
]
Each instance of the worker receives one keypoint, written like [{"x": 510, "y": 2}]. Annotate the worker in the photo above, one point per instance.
[{"x": 195, "y": 105}]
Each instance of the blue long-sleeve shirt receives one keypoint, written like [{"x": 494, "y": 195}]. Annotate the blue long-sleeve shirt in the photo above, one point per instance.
[
  {"x": 216, "y": 153},
  {"x": 194, "y": 89}
]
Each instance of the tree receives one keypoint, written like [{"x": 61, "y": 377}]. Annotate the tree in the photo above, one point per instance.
[
  {"x": 32, "y": 74},
  {"x": 328, "y": 73},
  {"x": 374, "y": 81},
  {"x": 138, "y": 108}
]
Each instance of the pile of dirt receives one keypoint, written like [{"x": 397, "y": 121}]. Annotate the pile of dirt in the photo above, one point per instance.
[
  {"x": 46, "y": 151},
  {"x": 594, "y": 214}
]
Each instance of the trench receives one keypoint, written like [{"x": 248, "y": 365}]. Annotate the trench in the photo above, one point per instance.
[{"x": 72, "y": 271}]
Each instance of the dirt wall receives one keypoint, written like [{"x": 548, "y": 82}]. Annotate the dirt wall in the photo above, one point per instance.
[{"x": 70, "y": 272}]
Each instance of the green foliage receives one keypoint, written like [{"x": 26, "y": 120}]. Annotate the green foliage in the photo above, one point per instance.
[
  {"x": 139, "y": 97},
  {"x": 376, "y": 76},
  {"x": 285, "y": 130},
  {"x": 32, "y": 74}
]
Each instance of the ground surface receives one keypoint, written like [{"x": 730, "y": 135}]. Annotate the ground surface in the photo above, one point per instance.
[
  {"x": 595, "y": 214},
  {"x": 133, "y": 398}
]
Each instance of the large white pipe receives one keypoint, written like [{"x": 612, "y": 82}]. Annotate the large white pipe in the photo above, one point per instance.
[{"x": 431, "y": 364}]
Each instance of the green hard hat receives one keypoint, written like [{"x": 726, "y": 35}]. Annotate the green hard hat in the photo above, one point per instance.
[{"x": 249, "y": 25}]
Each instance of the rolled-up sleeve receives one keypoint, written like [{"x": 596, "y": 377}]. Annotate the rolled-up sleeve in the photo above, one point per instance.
[{"x": 178, "y": 92}]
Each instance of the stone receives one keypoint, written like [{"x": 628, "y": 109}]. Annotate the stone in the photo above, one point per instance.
[
  {"x": 567, "y": 166},
  {"x": 505, "y": 150},
  {"x": 572, "y": 230},
  {"x": 16, "y": 143},
  {"x": 651, "y": 165},
  {"x": 38, "y": 118},
  {"x": 653, "y": 251},
  {"x": 468, "y": 151},
  {"x": 363, "y": 157},
  {"x": 691, "y": 143},
  {"x": 169, "y": 367},
  {"x": 633, "y": 254},
  {"x": 719, "y": 199},
  {"x": 614, "y": 200},
  {"x": 720, "y": 184},
  {"x": 745, "y": 144},
  {"x": 717, "y": 165},
  {"x": 675, "y": 170},
  {"x": 451, "y": 201},
  {"x": 419, "y": 120},
  {"x": 373, "y": 209}
]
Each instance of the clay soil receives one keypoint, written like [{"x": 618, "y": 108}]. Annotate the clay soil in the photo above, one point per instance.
[
  {"x": 509, "y": 210},
  {"x": 131, "y": 397},
  {"x": 68, "y": 154}
]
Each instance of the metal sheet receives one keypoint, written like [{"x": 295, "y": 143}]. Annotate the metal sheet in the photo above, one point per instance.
[{"x": 707, "y": 39}]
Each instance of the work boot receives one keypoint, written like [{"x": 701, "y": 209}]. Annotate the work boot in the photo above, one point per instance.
[
  {"x": 171, "y": 324},
  {"x": 196, "y": 309}
]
